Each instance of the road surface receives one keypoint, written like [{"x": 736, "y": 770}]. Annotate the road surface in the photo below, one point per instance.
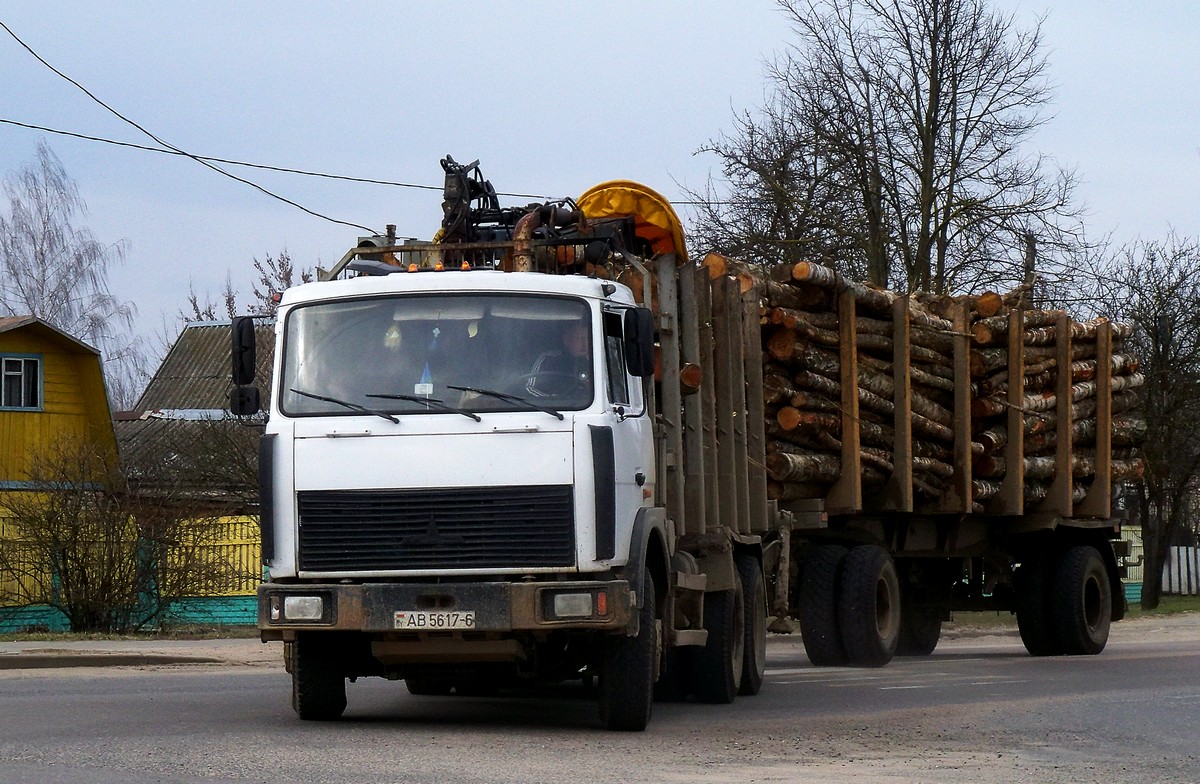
[{"x": 978, "y": 710}]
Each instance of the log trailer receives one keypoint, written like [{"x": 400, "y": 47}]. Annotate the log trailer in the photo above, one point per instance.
[{"x": 548, "y": 446}]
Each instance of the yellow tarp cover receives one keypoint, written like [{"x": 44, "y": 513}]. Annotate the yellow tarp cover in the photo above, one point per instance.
[{"x": 654, "y": 220}]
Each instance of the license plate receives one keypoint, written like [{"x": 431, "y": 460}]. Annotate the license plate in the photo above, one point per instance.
[{"x": 427, "y": 620}]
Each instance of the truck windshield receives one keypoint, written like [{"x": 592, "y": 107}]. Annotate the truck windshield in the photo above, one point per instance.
[{"x": 415, "y": 354}]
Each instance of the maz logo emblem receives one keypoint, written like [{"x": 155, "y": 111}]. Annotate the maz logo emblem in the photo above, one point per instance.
[{"x": 432, "y": 537}]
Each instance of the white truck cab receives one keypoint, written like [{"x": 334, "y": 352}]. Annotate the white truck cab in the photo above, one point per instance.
[{"x": 438, "y": 424}]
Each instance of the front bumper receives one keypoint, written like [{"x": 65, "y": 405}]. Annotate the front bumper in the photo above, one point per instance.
[{"x": 498, "y": 606}]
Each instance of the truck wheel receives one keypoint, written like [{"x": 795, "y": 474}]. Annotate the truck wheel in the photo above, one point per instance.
[
  {"x": 717, "y": 667},
  {"x": 1032, "y": 586},
  {"x": 627, "y": 676},
  {"x": 869, "y": 606},
  {"x": 754, "y": 607},
  {"x": 318, "y": 686},
  {"x": 1082, "y": 602},
  {"x": 920, "y": 629},
  {"x": 819, "y": 607}
]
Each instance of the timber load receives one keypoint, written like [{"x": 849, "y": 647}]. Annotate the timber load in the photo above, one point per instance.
[{"x": 874, "y": 401}]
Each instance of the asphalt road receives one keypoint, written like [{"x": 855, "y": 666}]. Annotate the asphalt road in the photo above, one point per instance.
[{"x": 978, "y": 710}]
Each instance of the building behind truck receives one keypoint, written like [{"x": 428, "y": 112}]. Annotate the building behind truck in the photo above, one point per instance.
[{"x": 448, "y": 502}]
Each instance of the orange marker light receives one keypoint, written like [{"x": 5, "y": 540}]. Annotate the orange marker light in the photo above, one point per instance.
[
  {"x": 438, "y": 267},
  {"x": 602, "y": 603},
  {"x": 466, "y": 266},
  {"x": 412, "y": 267}
]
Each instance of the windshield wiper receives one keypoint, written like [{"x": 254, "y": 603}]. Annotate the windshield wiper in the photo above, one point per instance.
[
  {"x": 438, "y": 404},
  {"x": 346, "y": 404},
  {"x": 508, "y": 399}
]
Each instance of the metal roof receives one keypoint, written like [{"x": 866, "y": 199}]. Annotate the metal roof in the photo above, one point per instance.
[
  {"x": 210, "y": 458},
  {"x": 196, "y": 373},
  {"x": 180, "y": 421}
]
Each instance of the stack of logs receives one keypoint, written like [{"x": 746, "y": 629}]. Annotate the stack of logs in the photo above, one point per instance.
[
  {"x": 803, "y": 396},
  {"x": 989, "y": 403}
]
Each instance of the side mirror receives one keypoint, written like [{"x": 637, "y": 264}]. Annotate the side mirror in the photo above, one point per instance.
[
  {"x": 244, "y": 401},
  {"x": 243, "y": 350},
  {"x": 639, "y": 341}
]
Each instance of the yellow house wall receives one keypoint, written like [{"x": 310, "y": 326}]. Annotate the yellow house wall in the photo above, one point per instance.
[{"x": 74, "y": 404}]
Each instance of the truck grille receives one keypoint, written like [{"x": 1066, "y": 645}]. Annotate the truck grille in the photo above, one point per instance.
[{"x": 473, "y": 528}]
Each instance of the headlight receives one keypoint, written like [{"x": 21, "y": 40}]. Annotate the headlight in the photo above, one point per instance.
[
  {"x": 573, "y": 605},
  {"x": 303, "y": 608}
]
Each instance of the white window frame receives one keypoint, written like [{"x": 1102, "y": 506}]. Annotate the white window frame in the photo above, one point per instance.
[{"x": 26, "y": 362}]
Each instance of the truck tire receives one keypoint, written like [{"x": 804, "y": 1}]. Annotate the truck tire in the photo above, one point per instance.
[
  {"x": 318, "y": 686},
  {"x": 869, "y": 606},
  {"x": 754, "y": 604},
  {"x": 717, "y": 667},
  {"x": 819, "y": 605},
  {"x": 627, "y": 673},
  {"x": 920, "y": 629},
  {"x": 1082, "y": 602},
  {"x": 1032, "y": 586}
]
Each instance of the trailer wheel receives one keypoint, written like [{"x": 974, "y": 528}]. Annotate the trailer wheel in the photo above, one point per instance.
[
  {"x": 717, "y": 667},
  {"x": 819, "y": 605},
  {"x": 1032, "y": 585},
  {"x": 1082, "y": 601},
  {"x": 754, "y": 604},
  {"x": 627, "y": 675},
  {"x": 920, "y": 629},
  {"x": 869, "y": 606},
  {"x": 318, "y": 686}
]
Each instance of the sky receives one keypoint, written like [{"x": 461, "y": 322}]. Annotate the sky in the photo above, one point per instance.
[{"x": 551, "y": 97}]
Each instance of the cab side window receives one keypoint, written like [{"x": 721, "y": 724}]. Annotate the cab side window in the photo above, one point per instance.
[{"x": 614, "y": 360}]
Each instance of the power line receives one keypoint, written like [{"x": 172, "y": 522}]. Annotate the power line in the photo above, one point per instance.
[
  {"x": 210, "y": 161},
  {"x": 172, "y": 147},
  {"x": 284, "y": 169}
]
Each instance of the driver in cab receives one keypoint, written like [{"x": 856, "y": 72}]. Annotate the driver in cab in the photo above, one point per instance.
[{"x": 566, "y": 370}]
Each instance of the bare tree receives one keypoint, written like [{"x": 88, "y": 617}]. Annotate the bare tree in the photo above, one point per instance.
[
  {"x": 893, "y": 143},
  {"x": 1156, "y": 286},
  {"x": 109, "y": 559},
  {"x": 207, "y": 309},
  {"x": 56, "y": 270},
  {"x": 276, "y": 274}
]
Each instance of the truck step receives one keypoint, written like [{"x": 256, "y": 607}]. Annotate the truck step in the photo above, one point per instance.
[
  {"x": 691, "y": 637},
  {"x": 690, "y": 582}
]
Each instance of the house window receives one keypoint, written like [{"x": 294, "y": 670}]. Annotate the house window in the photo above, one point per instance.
[{"x": 20, "y": 382}]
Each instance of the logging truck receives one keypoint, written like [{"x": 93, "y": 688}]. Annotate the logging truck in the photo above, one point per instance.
[{"x": 548, "y": 446}]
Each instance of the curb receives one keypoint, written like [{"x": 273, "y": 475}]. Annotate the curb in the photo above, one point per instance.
[{"x": 51, "y": 659}]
